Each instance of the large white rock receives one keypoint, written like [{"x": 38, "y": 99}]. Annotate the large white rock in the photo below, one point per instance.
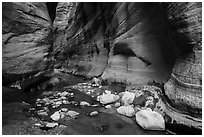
[
  {"x": 55, "y": 116},
  {"x": 127, "y": 98},
  {"x": 150, "y": 120},
  {"x": 108, "y": 98},
  {"x": 126, "y": 110}
]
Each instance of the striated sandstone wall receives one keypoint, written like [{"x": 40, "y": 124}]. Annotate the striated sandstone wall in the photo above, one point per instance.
[
  {"x": 123, "y": 42},
  {"x": 26, "y": 38},
  {"x": 136, "y": 43}
]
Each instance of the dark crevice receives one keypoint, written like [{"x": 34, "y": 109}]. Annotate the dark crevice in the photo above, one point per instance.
[{"x": 51, "y": 7}]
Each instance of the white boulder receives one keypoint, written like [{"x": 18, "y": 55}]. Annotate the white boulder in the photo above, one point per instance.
[
  {"x": 126, "y": 110},
  {"x": 150, "y": 120},
  {"x": 108, "y": 98},
  {"x": 127, "y": 98},
  {"x": 55, "y": 116}
]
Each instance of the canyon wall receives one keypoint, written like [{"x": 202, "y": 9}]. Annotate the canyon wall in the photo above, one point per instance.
[
  {"x": 26, "y": 39},
  {"x": 123, "y": 42},
  {"x": 131, "y": 43},
  {"x": 138, "y": 43}
]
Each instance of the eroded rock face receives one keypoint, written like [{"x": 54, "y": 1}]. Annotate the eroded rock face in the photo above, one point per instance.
[
  {"x": 184, "y": 87},
  {"x": 26, "y": 37},
  {"x": 124, "y": 42},
  {"x": 136, "y": 43}
]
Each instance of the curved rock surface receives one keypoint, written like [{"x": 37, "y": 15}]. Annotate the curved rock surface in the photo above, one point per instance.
[
  {"x": 131, "y": 43},
  {"x": 136, "y": 43},
  {"x": 120, "y": 41},
  {"x": 26, "y": 37}
]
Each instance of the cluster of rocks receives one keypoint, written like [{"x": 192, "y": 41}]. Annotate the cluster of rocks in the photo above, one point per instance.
[
  {"x": 88, "y": 88},
  {"x": 55, "y": 99},
  {"x": 140, "y": 103}
]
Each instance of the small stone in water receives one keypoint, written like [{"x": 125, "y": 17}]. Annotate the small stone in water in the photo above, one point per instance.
[
  {"x": 38, "y": 124},
  {"x": 63, "y": 94},
  {"x": 117, "y": 104},
  {"x": 72, "y": 114},
  {"x": 38, "y": 105},
  {"x": 88, "y": 93},
  {"x": 58, "y": 103},
  {"x": 62, "y": 116},
  {"x": 84, "y": 103},
  {"x": 63, "y": 98},
  {"x": 51, "y": 125},
  {"x": 71, "y": 94},
  {"x": 64, "y": 109},
  {"x": 55, "y": 116},
  {"x": 65, "y": 102},
  {"x": 42, "y": 113},
  {"x": 108, "y": 106},
  {"x": 107, "y": 92},
  {"x": 38, "y": 100},
  {"x": 94, "y": 113}
]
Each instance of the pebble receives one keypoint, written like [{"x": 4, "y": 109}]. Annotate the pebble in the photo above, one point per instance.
[
  {"x": 62, "y": 115},
  {"x": 108, "y": 106},
  {"x": 52, "y": 125},
  {"x": 63, "y": 94},
  {"x": 72, "y": 114},
  {"x": 58, "y": 103},
  {"x": 94, "y": 113},
  {"x": 37, "y": 125},
  {"x": 64, "y": 109},
  {"x": 63, "y": 98},
  {"x": 88, "y": 93},
  {"x": 38, "y": 105},
  {"x": 65, "y": 102},
  {"x": 84, "y": 103},
  {"x": 42, "y": 113},
  {"x": 38, "y": 100},
  {"x": 107, "y": 92},
  {"x": 55, "y": 116},
  {"x": 71, "y": 94},
  {"x": 117, "y": 104}
]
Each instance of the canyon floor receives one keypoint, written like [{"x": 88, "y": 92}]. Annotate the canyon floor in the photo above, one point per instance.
[{"x": 20, "y": 112}]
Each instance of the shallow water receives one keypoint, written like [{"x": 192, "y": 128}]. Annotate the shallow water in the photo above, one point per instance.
[{"x": 107, "y": 122}]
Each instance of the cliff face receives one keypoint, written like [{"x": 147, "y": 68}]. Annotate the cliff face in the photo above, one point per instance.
[
  {"x": 123, "y": 42},
  {"x": 26, "y": 38},
  {"x": 137, "y": 43},
  {"x": 132, "y": 43}
]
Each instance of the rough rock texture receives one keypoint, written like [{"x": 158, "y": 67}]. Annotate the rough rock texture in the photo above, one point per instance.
[
  {"x": 184, "y": 88},
  {"x": 150, "y": 120},
  {"x": 26, "y": 37},
  {"x": 120, "y": 41},
  {"x": 136, "y": 43}
]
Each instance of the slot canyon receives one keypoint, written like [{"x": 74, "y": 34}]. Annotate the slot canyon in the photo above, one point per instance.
[{"x": 82, "y": 68}]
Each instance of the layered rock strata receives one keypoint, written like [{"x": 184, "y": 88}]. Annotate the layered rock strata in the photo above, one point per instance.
[
  {"x": 26, "y": 39},
  {"x": 136, "y": 43}
]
